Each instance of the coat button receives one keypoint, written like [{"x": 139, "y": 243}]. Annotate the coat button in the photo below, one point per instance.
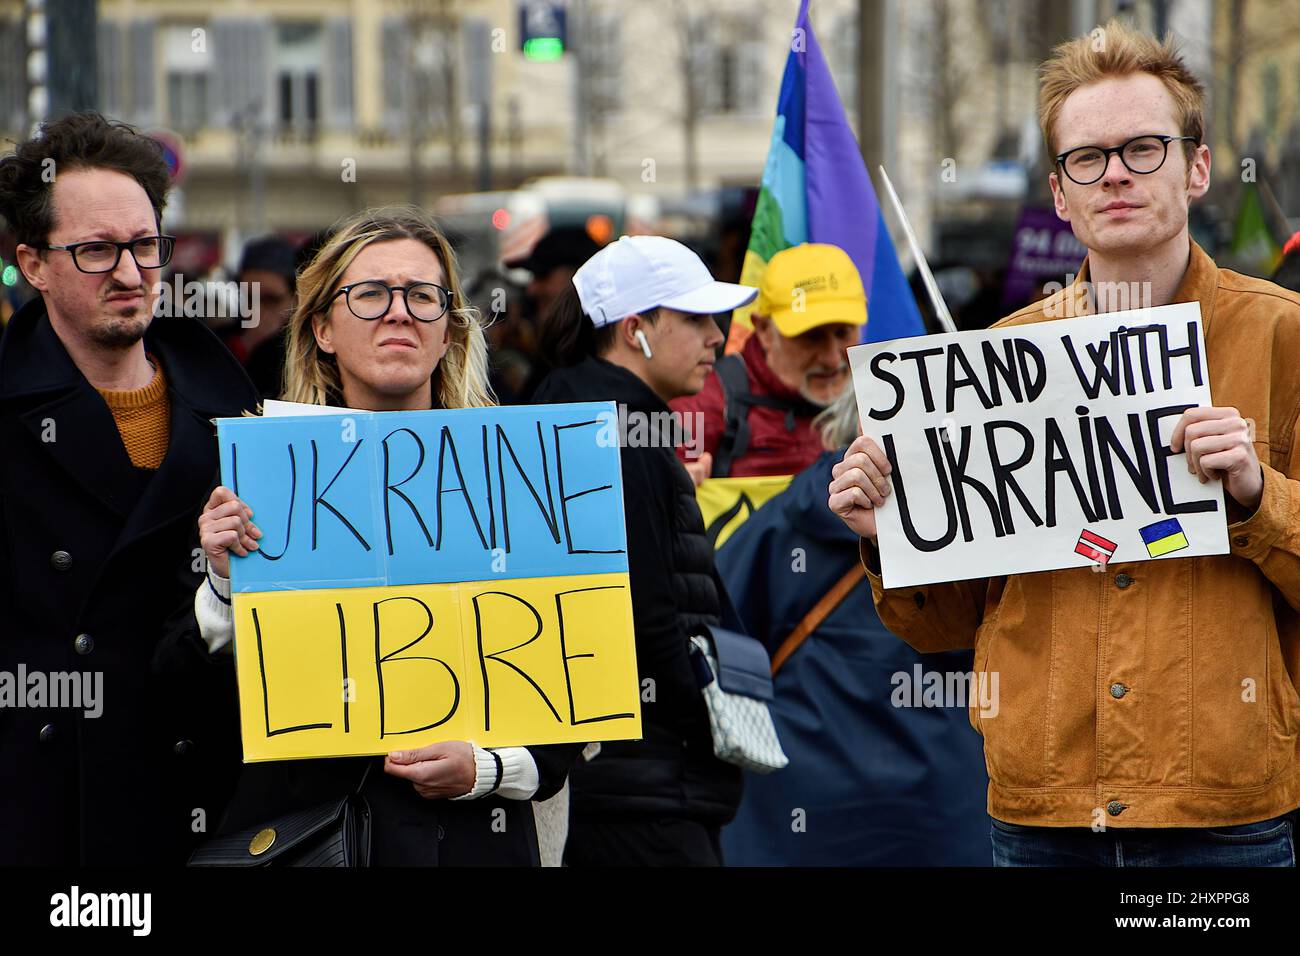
[
  {"x": 1114, "y": 808},
  {"x": 47, "y": 733},
  {"x": 1122, "y": 580},
  {"x": 84, "y": 644},
  {"x": 442, "y": 834},
  {"x": 1118, "y": 690},
  {"x": 60, "y": 561},
  {"x": 1241, "y": 540},
  {"x": 182, "y": 747}
]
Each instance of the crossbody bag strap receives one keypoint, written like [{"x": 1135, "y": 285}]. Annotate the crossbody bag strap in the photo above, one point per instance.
[
  {"x": 735, "y": 435},
  {"x": 813, "y": 619}
]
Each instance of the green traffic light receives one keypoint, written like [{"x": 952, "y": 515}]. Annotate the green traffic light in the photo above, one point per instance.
[
  {"x": 9, "y": 276},
  {"x": 543, "y": 48}
]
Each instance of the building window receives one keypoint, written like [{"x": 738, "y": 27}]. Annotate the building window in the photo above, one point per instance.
[
  {"x": 732, "y": 61},
  {"x": 299, "y": 54},
  {"x": 187, "y": 65},
  {"x": 337, "y": 93}
]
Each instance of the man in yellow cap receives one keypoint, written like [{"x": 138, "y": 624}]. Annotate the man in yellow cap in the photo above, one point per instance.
[{"x": 758, "y": 405}]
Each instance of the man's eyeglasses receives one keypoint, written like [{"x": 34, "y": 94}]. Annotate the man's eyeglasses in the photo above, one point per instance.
[
  {"x": 372, "y": 299},
  {"x": 103, "y": 255},
  {"x": 1142, "y": 154}
]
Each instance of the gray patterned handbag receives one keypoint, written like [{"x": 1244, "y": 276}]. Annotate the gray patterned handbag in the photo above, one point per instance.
[{"x": 736, "y": 681}]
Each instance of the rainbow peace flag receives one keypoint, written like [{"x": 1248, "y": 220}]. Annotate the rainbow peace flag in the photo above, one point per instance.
[{"x": 816, "y": 189}]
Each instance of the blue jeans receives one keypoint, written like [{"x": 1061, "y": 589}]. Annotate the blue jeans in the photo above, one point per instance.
[{"x": 1263, "y": 843}]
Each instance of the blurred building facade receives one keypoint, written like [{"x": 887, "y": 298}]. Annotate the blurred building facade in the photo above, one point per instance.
[
  {"x": 307, "y": 109},
  {"x": 291, "y": 113}
]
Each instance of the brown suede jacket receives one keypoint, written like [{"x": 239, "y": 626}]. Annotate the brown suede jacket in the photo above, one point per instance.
[{"x": 1159, "y": 693}]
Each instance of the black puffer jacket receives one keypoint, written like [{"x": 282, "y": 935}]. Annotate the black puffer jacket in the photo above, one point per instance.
[{"x": 672, "y": 770}]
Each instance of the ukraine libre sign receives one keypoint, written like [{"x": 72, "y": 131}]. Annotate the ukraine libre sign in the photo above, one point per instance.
[{"x": 427, "y": 576}]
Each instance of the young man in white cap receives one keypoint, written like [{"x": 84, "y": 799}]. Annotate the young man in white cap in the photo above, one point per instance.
[{"x": 637, "y": 328}]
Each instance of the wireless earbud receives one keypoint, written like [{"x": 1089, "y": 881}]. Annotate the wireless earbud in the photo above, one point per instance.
[{"x": 645, "y": 346}]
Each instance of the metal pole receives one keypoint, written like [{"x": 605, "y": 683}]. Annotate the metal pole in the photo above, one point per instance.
[
  {"x": 479, "y": 88},
  {"x": 871, "y": 63},
  {"x": 73, "y": 74},
  {"x": 581, "y": 77}
]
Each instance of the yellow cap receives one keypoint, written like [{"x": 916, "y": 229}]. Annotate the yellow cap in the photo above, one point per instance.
[{"x": 810, "y": 285}]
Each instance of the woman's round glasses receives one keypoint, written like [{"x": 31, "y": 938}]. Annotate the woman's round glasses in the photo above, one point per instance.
[
  {"x": 1142, "y": 154},
  {"x": 372, "y": 299}
]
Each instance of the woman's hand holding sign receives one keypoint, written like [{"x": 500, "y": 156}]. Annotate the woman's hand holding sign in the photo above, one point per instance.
[
  {"x": 1219, "y": 444},
  {"x": 226, "y": 525},
  {"x": 859, "y": 485},
  {"x": 438, "y": 770}
]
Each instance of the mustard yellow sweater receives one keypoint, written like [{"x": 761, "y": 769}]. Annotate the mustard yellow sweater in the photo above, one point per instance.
[{"x": 143, "y": 418}]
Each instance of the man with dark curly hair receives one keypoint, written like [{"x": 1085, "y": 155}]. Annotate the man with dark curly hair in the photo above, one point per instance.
[{"x": 115, "y": 745}]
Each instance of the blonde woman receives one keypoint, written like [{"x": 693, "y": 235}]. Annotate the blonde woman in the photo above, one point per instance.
[{"x": 382, "y": 325}]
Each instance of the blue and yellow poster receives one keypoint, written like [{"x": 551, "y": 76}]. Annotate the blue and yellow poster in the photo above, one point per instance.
[{"x": 427, "y": 576}]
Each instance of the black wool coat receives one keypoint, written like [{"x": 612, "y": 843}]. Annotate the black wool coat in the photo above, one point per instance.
[{"x": 97, "y": 559}]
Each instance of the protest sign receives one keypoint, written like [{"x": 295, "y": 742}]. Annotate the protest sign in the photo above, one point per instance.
[
  {"x": 1037, "y": 447},
  {"x": 1045, "y": 250},
  {"x": 726, "y": 503},
  {"x": 426, "y": 576}
]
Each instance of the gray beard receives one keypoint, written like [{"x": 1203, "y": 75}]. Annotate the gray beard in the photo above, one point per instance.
[
  {"x": 806, "y": 394},
  {"x": 811, "y": 399}
]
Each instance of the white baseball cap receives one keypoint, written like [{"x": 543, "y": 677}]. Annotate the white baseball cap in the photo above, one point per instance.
[{"x": 639, "y": 273}]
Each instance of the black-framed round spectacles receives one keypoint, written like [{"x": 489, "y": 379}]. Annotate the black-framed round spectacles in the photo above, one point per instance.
[
  {"x": 371, "y": 299},
  {"x": 1142, "y": 155},
  {"x": 103, "y": 255}
]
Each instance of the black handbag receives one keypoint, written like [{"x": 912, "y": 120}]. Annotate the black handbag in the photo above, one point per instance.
[{"x": 335, "y": 833}]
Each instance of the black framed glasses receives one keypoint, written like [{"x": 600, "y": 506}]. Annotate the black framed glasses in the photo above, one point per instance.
[
  {"x": 103, "y": 255},
  {"x": 372, "y": 299},
  {"x": 1142, "y": 155}
]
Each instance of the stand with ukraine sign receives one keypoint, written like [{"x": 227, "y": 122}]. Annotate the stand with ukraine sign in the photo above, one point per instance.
[
  {"x": 1039, "y": 446},
  {"x": 429, "y": 576}
]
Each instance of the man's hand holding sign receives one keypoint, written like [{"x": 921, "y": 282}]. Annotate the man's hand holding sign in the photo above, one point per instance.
[
  {"x": 860, "y": 485},
  {"x": 1220, "y": 447}
]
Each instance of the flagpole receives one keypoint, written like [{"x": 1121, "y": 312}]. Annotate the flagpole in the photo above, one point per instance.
[
  {"x": 1274, "y": 207},
  {"x": 927, "y": 277}
]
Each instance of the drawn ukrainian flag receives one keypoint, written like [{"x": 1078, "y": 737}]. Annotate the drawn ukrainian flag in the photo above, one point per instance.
[{"x": 1164, "y": 537}]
